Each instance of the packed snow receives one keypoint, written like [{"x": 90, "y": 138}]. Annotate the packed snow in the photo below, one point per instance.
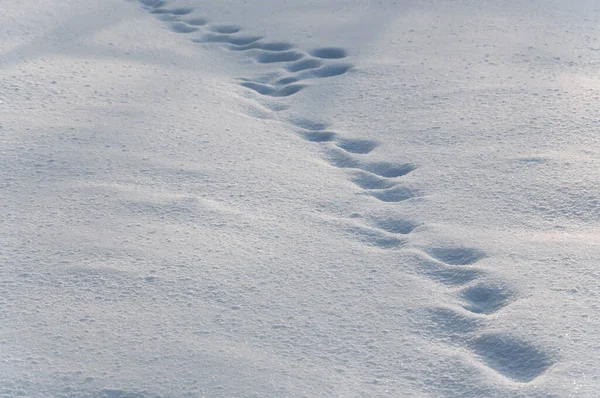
[{"x": 316, "y": 198}]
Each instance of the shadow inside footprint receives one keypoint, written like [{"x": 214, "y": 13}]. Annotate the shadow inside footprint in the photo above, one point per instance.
[
  {"x": 272, "y": 46},
  {"x": 396, "y": 194},
  {"x": 375, "y": 238},
  {"x": 389, "y": 170},
  {"x": 288, "y": 90},
  {"x": 181, "y": 27},
  {"x": 454, "y": 276},
  {"x": 172, "y": 11},
  {"x": 326, "y": 71},
  {"x": 456, "y": 255},
  {"x": 329, "y": 53},
  {"x": 307, "y": 124},
  {"x": 318, "y": 136},
  {"x": 220, "y": 38},
  {"x": 445, "y": 274},
  {"x": 264, "y": 89},
  {"x": 225, "y": 29},
  {"x": 357, "y": 146},
  {"x": 383, "y": 169},
  {"x": 330, "y": 70},
  {"x": 370, "y": 181},
  {"x": 304, "y": 65},
  {"x": 287, "y": 80},
  {"x": 196, "y": 21},
  {"x": 395, "y": 225},
  {"x": 273, "y": 57},
  {"x": 153, "y": 3},
  {"x": 485, "y": 298},
  {"x": 513, "y": 358}
]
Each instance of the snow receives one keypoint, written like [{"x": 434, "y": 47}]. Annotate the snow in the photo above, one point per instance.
[{"x": 299, "y": 199}]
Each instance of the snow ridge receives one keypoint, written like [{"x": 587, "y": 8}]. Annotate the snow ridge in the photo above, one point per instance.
[{"x": 459, "y": 269}]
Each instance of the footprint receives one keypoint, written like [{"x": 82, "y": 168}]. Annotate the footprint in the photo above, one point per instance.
[
  {"x": 196, "y": 21},
  {"x": 357, "y": 146},
  {"x": 304, "y": 65},
  {"x": 349, "y": 145},
  {"x": 485, "y": 298},
  {"x": 446, "y": 274},
  {"x": 454, "y": 276},
  {"x": 376, "y": 238},
  {"x": 323, "y": 72},
  {"x": 264, "y": 57},
  {"x": 329, "y": 53},
  {"x": 264, "y": 89},
  {"x": 396, "y": 194},
  {"x": 327, "y": 71},
  {"x": 221, "y": 38},
  {"x": 456, "y": 255},
  {"x": 181, "y": 27},
  {"x": 225, "y": 29},
  {"x": 510, "y": 356},
  {"x": 370, "y": 181},
  {"x": 309, "y": 124},
  {"x": 387, "y": 169},
  {"x": 383, "y": 169},
  {"x": 269, "y": 46},
  {"x": 153, "y": 3},
  {"x": 318, "y": 136},
  {"x": 265, "y": 79},
  {"x": 172, "y": 11},
  {"x": 287, "y": 80},
  {"x": 395, "y": 225}
]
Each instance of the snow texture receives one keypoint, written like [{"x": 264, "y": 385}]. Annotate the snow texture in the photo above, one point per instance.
[{"x": 320, "y": 198}]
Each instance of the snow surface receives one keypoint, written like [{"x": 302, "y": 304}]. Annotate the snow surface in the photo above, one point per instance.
[{"x": 316, "y": 198}]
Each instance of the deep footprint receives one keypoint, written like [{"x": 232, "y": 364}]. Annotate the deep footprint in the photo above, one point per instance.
[
  {"x": 357, "y": 146},
  {"x": 327, "y": 71},
  {"x": 172, "y": 11},
  {"x": 383, "y": 169},
  {"x": 324, "y": 72},
  {"x": 309, "y": 124},
  {"x": 304, "y": 65},
  {"x": 274, "y": 57},
  {"x": 370, "y": 181},
  {"x": 395, "y": 225},
  {"x": 196, "y": 21},
  {"x": 457, "y": 255},
  {"x": 225, "y": 29},
  {"x": 220, "y": 38},
  {"x": 264, "y": 89},
  {"x": 445, "y": 274},
  {"x": 486, "y": 298},
  {"x": 318, "y": 136},
  {"x": 329, "y": 53},
  {"x": 270, "y": 46},
  {"x": 397, "y": 194},
  {"x": 181, "y": 27},
  {"x": 513, "y": 358},
  {"x": 153, "y": 3}
]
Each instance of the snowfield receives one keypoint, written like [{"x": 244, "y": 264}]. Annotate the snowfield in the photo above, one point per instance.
[{"x": 316, "y": 198}]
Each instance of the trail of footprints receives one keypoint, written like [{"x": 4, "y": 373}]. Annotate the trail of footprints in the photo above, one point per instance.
[{"x": 462, "y": 323}]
